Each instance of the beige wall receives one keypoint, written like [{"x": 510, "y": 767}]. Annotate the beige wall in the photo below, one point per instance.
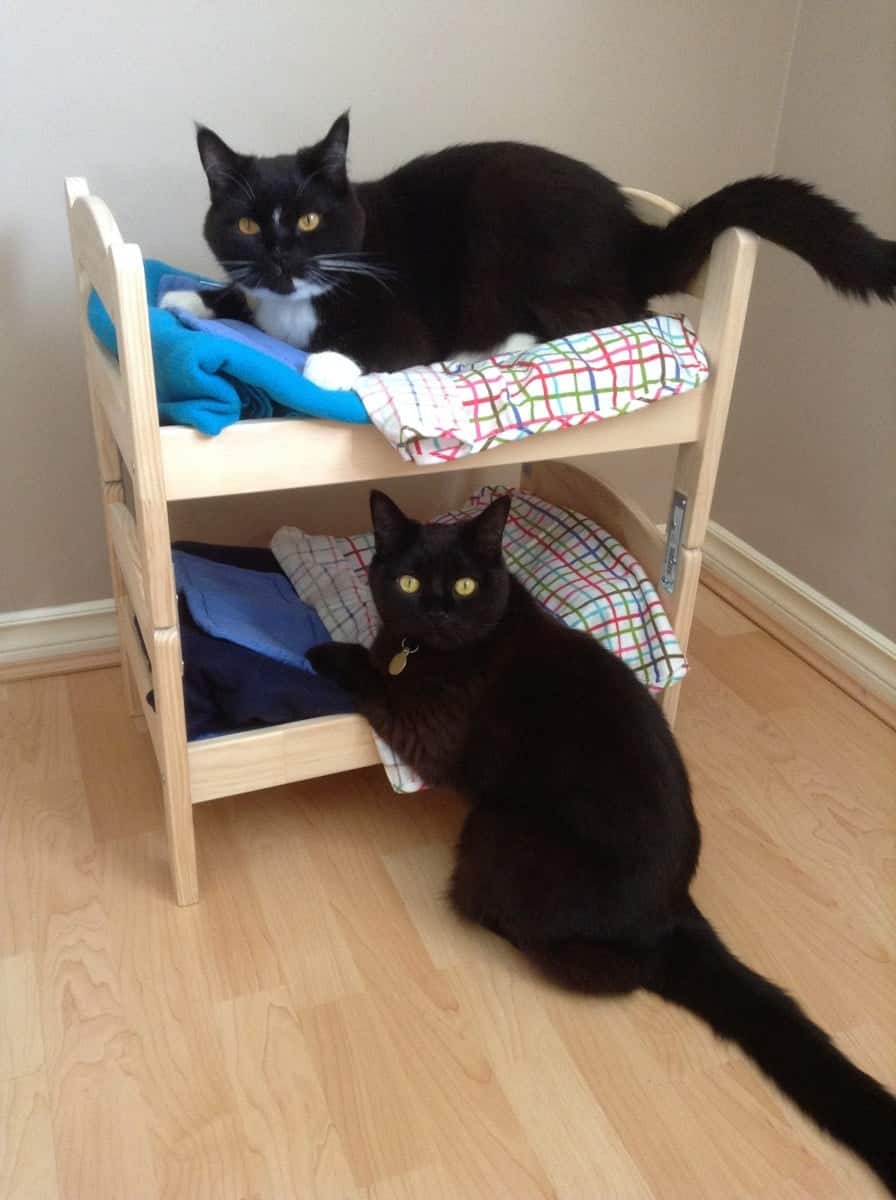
[
  {"x": 679, "y": 96},
  {"x": 807, "y": 474},
  {"x": 819, "y": 497}
]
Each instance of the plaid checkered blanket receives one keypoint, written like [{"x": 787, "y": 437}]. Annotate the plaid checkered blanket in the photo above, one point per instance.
[
  {"x": 575, "y": 568},
  {"x": 449, "y": 410}
]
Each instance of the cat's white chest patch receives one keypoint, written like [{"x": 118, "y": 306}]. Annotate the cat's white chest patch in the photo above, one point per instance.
[{"x": 289, "y": 318}]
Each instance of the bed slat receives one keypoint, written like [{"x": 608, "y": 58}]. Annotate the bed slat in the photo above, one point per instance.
[
  {"x": 141, "y": 676},
  {"x": 253, "y": 456},
  {"x": 108, "y": 389},
  {"x": 244, "y": 762},
  {"x": 124, "y": 542}
]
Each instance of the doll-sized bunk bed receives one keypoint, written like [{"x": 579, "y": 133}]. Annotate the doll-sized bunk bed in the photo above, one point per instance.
[{"x": 147, "y": 470}]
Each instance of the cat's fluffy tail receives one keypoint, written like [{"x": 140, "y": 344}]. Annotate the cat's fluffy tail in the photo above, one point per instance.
[
  {"x": 785, "y": 211},
  {"x": 697, "y": 972}
]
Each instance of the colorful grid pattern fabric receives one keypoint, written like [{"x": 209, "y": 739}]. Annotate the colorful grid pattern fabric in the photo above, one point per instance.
[
  {"x": 449, "y": 410},
  {"x": 571, "y": 565}
]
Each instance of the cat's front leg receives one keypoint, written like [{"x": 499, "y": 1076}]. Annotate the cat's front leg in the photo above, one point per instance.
[
  {"x": 347, "y": 664},
  {"x": 210, "y": 303},
  {"x": 390, "y": 339}
]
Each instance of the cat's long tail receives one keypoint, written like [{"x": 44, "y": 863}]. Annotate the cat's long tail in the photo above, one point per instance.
[
  {"x": 786, "y": 211},
  {"x": 696, "y": 971}
]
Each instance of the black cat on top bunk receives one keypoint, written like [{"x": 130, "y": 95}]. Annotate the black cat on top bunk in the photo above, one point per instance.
[
  {"x": 581, "y": 840},
  {"x": 475, "y": 245}
]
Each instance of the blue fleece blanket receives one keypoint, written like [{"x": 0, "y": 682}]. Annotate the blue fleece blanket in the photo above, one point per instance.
[{"x": 211, "y": 379}]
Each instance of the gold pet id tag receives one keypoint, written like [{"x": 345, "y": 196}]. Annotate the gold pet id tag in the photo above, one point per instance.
[{"x": 399, "y": 661}]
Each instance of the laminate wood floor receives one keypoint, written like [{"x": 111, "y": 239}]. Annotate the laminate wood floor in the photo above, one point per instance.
[{"x": 320, "y": 1026}]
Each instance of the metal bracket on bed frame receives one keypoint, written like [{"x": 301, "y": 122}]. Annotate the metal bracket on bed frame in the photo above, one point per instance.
[{"x": 674, "y": 534}]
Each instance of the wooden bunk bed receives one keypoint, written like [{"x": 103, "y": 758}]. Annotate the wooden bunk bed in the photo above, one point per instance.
[{"x": 144, "y": 468}]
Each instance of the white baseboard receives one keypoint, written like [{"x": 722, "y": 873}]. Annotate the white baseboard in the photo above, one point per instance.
[
  {"x": 860, "y": 652},
  {"x": 68, "y": 629}
]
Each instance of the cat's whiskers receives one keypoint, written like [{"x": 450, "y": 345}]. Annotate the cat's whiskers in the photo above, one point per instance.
[
  {"x": 335, "y": 264},
  {"x": 354, "y": 260},
  {"x": 319, "y": 279},
  {"x": 353, "y": 254},
  {"x": 382, "y": 283},
  {"x": 346, "y": 270},
  {"x": 246, "y": 278}
]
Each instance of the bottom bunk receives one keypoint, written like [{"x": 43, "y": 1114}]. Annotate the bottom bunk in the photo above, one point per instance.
[{"x": 551, "y": 543}]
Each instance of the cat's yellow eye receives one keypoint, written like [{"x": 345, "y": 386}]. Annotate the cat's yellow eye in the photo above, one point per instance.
[
  {"x": 409, "y": 584},
  {"x": 465, "y": 586},
  {"x": 247, "y": 225},
  {"x": 308, "y": 222}
]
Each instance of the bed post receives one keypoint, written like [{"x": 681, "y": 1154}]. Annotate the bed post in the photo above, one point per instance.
[
  {"x": 126, "y": 428},
  {"x": 153, "y": 539},
  {"x": 109, "y": 464},
  {"x": 720, "y": 328}
]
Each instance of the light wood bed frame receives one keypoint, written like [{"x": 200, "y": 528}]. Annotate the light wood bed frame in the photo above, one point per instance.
[{"x": 171, "y": 463}]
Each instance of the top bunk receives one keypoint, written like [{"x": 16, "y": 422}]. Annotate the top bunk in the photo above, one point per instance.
[{"x": 264, "y": 455}]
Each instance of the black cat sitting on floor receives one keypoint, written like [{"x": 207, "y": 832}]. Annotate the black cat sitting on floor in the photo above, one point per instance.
[
  {"x": 581, "y": 840},
  {"x": 485, "y": 246}
]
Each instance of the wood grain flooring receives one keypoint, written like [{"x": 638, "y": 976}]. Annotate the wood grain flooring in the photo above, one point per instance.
[{"x": 319, "y": 1026}]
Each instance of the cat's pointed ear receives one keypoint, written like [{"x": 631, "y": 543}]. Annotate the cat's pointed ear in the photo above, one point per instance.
[
  {"x": 223, "y": 167},
  {"x": 328, "y": 155},
  {"x": 484, "y": 533},
  {"x": 391, "y": 528}
]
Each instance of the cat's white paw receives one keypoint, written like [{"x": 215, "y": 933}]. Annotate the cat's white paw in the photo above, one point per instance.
[
  {"x": 191, "y": 302},
  {"x": 329, "y": 369},
  {"x": 516, "y": 341},
  {"x": 510, "y": 345}
]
